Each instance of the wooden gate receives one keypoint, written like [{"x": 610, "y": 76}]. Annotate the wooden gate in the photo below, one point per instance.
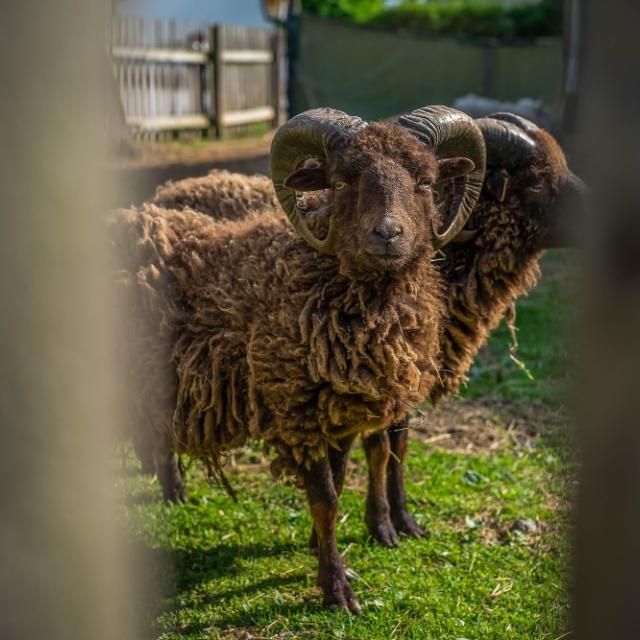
[{"x": 175, "y": 76}]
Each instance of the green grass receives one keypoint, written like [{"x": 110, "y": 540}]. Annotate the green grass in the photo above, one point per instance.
[
  {"x": 191, "y": 140},
  {"x": 243, "y": 571},
  {"x": 543, "y": 321}
]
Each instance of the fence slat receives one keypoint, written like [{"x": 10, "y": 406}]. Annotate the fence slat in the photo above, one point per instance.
[
  {"x": 178, "y": 75},
  {"x": 175, "y": 56},
  {"x": 216, "y": 35},
  {"x": 278, "y": 81},
  {"x": 248, "y": 116},
  {"x": 160, "y": 123},
  {"x": 247, "y": 56}
]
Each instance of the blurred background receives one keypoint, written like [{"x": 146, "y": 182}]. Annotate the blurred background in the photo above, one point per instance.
[{"x": 194, "y": 71}]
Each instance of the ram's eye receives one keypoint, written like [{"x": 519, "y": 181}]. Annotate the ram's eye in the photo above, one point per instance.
[
  {"x": 339, "y": 185},
  {"x": 425, "y": 184},
  {"x": 536, "y": 188}
]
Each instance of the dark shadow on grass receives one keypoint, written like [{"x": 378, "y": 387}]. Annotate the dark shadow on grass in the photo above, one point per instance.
[
  {"x": 165, "y": 573},
  {"x": 191, "y": 576},
  {"x": 201, "y": 565},
  {"x": 196, "y": 567},
  {"x": 246, "y": 590}
]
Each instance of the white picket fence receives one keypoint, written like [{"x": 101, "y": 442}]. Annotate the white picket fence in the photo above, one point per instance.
[{"x": 175, "y": 75}]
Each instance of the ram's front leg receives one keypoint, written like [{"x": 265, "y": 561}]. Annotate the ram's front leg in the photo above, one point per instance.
[
  {"x": 377, "y": 516},
  {"x": 338, "y": 459},
  {"x": 170, "y": 478},
  {"x": 323, "y": 502},
  {"x": 402, "y": 520}
]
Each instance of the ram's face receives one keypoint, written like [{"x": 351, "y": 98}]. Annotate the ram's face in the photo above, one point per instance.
[
  {"x": 552, "y": 194},
  {"x": 384, "y": 207},
  {"x": 381, "y": 185},
  {"x": 551, "y": 198},
  {"x": 540, "y": 183},
  {"x": 380, "y": 188}
]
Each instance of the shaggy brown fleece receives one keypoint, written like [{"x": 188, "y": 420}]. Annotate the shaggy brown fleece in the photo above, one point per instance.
[
  {"x": 266, "y": 339},
  {"x": 220, "y": 194},
  {"x": 483, "y": 279}
]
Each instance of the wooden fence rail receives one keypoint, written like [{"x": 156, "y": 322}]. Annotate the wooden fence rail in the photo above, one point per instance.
[{"x": 174, "y": 76}]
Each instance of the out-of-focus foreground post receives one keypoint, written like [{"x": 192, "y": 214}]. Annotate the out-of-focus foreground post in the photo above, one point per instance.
[
  {"x": 61, "y": 575},
  {"x": 608, "y": 532}
]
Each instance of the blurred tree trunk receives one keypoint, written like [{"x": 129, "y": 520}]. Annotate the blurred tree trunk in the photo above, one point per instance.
[
  {"x": 66, "y": 573},
  {"x": 608, "y": 519}
]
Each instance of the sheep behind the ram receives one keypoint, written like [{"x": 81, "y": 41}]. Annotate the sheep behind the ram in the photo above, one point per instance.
[
  {"x": 300, "y": 341},
  {"x": 530, "y": 202}
]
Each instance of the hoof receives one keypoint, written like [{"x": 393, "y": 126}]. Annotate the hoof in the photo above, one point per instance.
[
  {"x": 178, "y": 498},
  {"x": 170, "y": 479},
  {"x": 382, "y": 530},
  {"x": 406, "y": 525},
  {"x": 385, "y": 534},
  {"x": 175, "y": 494},
  {"x": 340, "y": 597}
]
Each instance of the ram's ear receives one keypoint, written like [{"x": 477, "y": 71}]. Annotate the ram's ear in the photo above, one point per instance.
[
  {"x": 451, "y": 168},
  {"x": 498, "y": 184},
  {"x": 307, "y": 179}
]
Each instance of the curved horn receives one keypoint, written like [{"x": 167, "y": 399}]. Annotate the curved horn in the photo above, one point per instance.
[
  {"x": 522, "y": 123},
  {"x": 311, "y": 134},
  {"x": 450, "y": 133},
  {"x": 508, "y": 146}
]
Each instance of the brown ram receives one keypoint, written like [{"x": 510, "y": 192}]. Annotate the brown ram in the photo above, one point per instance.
[{"x": 302, "y": 345}]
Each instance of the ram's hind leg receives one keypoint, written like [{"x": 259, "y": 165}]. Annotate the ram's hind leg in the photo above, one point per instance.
[
  {"x": 170, "y": 479},
  {"x": 323, "y": 502},
  {"x": 338, "y": 459},
  {"x": 402, "y": 520},
  {"x": 378, "y": 516}
]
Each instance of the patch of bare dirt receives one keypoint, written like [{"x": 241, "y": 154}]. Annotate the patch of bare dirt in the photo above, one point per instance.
[
  {"x": 157, "y": 154},
  {"x": 487, "y": 528},
  {"x": 464, "y": 426},
  {"x": 485, "y": 425}
]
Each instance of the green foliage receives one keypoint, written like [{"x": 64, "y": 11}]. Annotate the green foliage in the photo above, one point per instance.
[
  {"x": 543, "y": 321},
  {"x": 460, "y": 18},
  {"x": 356, "y": 10}
]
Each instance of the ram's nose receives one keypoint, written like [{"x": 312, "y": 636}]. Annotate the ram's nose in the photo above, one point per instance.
[{"x": 387, "y": 229}]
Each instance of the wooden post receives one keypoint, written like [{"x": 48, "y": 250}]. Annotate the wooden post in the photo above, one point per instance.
[
  {"x": 279, "y": 84},
  {"x": 489, "y": 59},
  {"x": 292, "y": 26},
  {"x": 607, "y": 550},
  {"x": 203, "y": 73},
  {"x": 572, "y": 49},
  {"x": 216, "y": 38}
]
